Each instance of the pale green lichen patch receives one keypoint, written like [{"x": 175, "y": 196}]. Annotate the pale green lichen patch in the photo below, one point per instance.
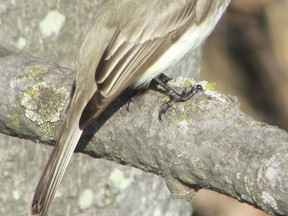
[
  {"x": 210, "y": 91},
  {"x": 15, "y": 120},
  {"x": 44, "y": 103},
  {"x": 210, "y": 86},
  {"x": 21, "y": 43},
  {"x": 187, "y": 180},
  {"x": 183, "y": 126},
  {"x": 31, "y": 92},
  {"x": 52, "y": 23},
  {"x": 118, "y": 180},
  {"x": 269, "y": 200},
  {"x": 35, "y": 70},
  {"x": 86, "y": 199},
  {"x": 157, "y": 212},
  {"x": 182, "y": 82},
  {"x": 47, "y": 132},
  {"x": 29, "y": 72}
]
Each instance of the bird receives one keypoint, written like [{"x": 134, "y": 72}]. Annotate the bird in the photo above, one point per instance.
[{"x": 128, "y": 43}]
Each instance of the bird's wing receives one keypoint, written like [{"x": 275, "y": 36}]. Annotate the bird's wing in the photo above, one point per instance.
[
  {"x": 138, "y": 40},
  {"x": 137, "y": 44}
]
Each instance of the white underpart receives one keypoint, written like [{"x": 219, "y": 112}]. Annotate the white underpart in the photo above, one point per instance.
[{"x": 189, "y": 41}]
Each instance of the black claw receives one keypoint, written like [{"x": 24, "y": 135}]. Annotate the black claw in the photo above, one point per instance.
[
  {"x": 128, "y": 104},
  {"x": 174, "y": 96},
  {"x": 164, "y": 108},
  {"x": 186, "y": 95}
]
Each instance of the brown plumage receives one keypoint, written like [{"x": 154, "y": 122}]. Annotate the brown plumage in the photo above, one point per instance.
[{"x": 128, "y": 43}]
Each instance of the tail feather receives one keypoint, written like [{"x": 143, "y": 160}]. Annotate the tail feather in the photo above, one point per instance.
[{"x": 55, "y": 168}]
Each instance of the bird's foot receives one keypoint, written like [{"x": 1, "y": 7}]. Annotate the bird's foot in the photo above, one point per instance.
[{"x": 174, "y": 95}]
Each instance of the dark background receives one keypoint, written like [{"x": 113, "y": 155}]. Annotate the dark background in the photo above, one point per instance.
[{"x": 247, "y": 56}]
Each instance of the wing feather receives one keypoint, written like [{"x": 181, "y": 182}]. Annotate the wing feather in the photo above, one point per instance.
[
  {"x": 126, "y": 55},
  {"x": 135, "y": 46}
]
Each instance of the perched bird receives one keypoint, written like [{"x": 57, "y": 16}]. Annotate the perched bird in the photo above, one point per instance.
[{"x": 128, "y": 43}]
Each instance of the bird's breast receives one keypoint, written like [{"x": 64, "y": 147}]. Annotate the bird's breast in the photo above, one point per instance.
[{"x": 190, "y": 40}]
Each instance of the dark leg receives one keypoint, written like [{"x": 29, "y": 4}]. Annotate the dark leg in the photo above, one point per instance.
[{"x": 174, "y": 96}]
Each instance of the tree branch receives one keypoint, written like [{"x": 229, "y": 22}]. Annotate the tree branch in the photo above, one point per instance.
[{"x": 206, "y": 142}]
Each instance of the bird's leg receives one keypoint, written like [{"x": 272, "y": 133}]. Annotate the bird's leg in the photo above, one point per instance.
[{"x": 174, "y": 95}]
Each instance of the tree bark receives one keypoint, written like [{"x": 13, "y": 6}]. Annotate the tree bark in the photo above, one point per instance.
[{"x": 206, "y": 142}]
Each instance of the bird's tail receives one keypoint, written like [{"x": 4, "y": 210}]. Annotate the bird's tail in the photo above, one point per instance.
[{"x": 56, "y": 165}]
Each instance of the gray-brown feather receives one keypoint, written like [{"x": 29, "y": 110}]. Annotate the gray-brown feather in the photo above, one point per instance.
[{"x": 136, "y": 44}]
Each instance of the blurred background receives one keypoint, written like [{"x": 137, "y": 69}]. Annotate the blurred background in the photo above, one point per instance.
[{"x": 246, "y": 56}]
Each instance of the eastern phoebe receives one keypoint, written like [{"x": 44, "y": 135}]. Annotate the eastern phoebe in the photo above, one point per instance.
[{"x": 128, "y": 43}]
